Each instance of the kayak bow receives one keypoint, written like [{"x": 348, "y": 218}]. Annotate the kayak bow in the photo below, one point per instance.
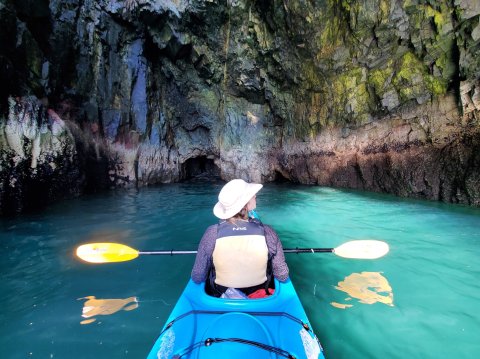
[{"x": 202, "y": 326}]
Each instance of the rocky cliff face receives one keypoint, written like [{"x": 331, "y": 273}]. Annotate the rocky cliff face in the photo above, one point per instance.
[{"x": 381, "y": 95}]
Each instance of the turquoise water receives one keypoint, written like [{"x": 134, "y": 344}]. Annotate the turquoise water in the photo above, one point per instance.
[{"x": 420, "y": 301}]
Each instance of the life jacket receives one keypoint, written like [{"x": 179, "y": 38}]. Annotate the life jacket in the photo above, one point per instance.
[{"x": 240, "y": 256}]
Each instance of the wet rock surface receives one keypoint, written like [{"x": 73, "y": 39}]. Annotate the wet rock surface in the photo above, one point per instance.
[
  {"x": 375, "y": 94},
  {"x": 39, "y": 158}
]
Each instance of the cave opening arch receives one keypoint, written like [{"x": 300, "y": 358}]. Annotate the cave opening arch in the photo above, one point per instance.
[{"x": 200, "y": 168}]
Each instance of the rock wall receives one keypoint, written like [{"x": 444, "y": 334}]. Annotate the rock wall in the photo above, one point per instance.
[
  {"x": 38, "y": 160},
  {"x": 380, "y": 95},
  {"x": 428, "y": 151}
]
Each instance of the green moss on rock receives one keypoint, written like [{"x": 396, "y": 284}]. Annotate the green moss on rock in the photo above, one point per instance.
[
  {"x": 380, "y": 78},
  {"x": 412, "y": 79}
]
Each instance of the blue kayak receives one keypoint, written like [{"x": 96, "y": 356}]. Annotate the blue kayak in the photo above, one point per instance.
[{"x": 202, "y": 326}]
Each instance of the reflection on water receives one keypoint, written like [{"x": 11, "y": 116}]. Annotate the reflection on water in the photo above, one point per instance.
[
  {"x": 93, "y": 307},
  {"x": 367, "y": 287}
]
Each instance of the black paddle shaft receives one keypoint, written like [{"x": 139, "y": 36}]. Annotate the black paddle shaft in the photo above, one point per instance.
[
  {"x": 308, "y": 250},
  {"x": 285, "y": 250}
]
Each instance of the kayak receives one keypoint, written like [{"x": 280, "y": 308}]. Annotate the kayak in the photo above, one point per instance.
[{"x": 203, "y": 326}]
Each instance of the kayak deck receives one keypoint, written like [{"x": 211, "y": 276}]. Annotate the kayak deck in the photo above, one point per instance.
[{"x": 202, "y": 326}]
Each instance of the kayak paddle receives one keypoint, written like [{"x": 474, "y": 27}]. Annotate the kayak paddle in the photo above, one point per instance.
[{"x": 116, "y": 252}]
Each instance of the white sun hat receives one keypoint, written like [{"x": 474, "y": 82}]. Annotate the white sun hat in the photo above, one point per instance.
[{"x": 233, "y": 197}]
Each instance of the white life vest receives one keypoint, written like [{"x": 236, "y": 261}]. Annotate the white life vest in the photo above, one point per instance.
[{"x": 240, "y": 255}]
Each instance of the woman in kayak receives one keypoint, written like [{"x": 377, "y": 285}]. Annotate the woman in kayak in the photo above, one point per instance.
[{"x": 239, "y": 252}]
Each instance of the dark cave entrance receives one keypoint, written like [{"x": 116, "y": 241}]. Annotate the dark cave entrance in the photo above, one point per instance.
[
  {"x": 200, "y": 168},
  {"x": 280, "y": 178}
]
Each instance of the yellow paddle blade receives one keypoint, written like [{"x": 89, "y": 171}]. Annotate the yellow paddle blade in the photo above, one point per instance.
[
  {"x": 106, "y": 252},
  {"x": 362, "y": 249}
]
